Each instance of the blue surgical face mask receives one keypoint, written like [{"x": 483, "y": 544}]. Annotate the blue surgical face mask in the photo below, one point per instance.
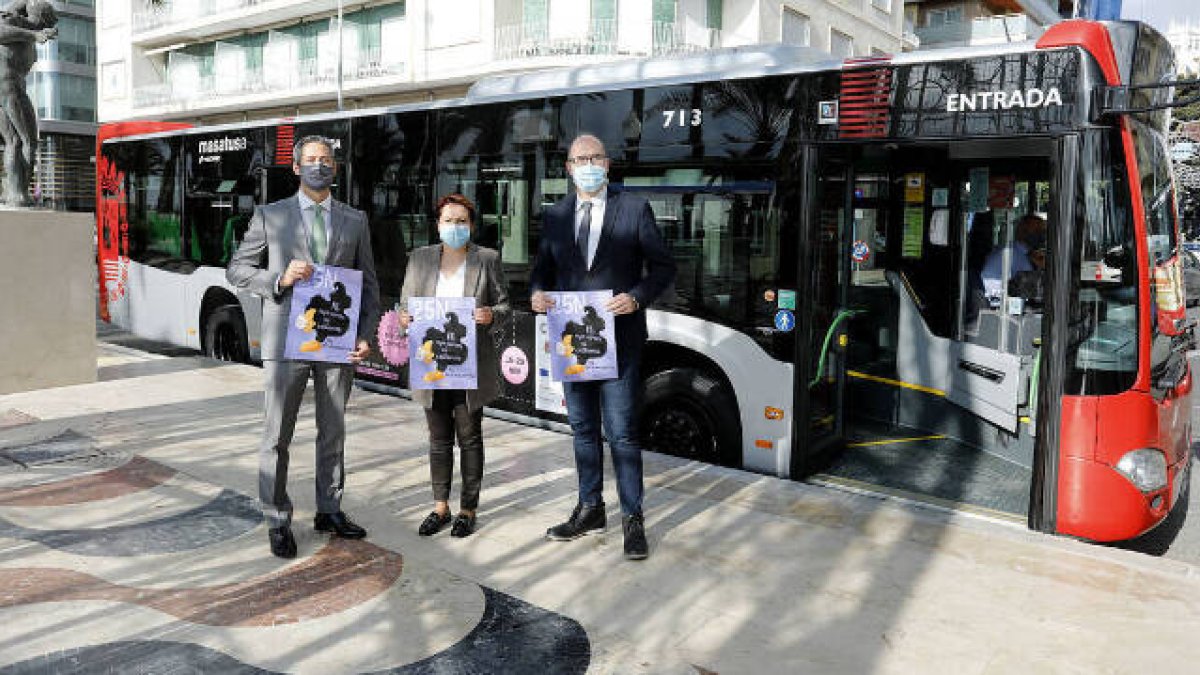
[
  {"x": 316, "y": 176},
  {"x": 589, "y": 177},
  {"x": 455, "y": 236}
]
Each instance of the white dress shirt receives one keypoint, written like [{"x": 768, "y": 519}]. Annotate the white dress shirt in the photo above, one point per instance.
[
  {"x": 453, "y": 285},
  {"x": 599, "y": 202}
]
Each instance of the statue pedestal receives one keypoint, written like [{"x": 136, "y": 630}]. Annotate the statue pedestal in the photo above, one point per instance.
[{"x": 47, "y": 299}]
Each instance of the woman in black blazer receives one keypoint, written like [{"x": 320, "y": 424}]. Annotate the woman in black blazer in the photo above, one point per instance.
[{"x": 456, "y": 267}]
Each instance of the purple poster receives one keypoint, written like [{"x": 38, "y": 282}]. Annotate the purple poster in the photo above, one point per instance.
[
  {"x": 323, "y": 319},
  {"x": 441, "y": 344},
  {"x": 582, "y": 343}
]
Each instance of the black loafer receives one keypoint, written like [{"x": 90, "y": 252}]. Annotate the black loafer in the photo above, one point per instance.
[
  {"x": 433, "y": 523},
  {"x": 463, "y": 526},
  {"x": 283, "y": 544},
  {"x": 339, "y": 525}
]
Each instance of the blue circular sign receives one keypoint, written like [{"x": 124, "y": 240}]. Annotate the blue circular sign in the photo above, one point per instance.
[
  {"x": 785, "y": 320},
  {"x": 860, "y": 251}
]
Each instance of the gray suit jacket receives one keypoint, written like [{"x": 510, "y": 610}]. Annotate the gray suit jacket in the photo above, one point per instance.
[
  {"x": 485, "y": 282},
  {"x": 275, "y": 237}
]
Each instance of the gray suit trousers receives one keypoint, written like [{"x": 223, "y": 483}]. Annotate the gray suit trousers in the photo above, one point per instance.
[{"x": 285, "y": 384}]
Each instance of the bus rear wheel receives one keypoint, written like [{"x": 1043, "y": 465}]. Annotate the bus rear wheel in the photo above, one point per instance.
[
  {"x": 225, "y": 335},
  {"x": 688, "y": 413}
]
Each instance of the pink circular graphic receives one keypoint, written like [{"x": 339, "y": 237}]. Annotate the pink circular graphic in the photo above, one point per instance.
[
  {"x": 514, "y": 364},
  {"x": 392, "y": 343}
]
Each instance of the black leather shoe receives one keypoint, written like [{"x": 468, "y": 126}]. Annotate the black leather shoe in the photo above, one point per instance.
[
  {"x": 635, "y": 538},
  {"x": 433, "y": 523},
  {"x": 339, "y": 525},
  {"x": 583, "y": 520},
  {"x": 463, "y": 526},
  {"x": 283, "y": 544}
]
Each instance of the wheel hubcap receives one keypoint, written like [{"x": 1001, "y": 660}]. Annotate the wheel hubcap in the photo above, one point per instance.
[{"x": 679, "y": 432}]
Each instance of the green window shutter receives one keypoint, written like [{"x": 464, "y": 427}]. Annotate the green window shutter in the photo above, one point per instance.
[
  {"x": 664, "y": 11},
  {"x": 535, "y": 18},
  {"x": 604, "y": 10},
  {"x": 713, "y": 20}
]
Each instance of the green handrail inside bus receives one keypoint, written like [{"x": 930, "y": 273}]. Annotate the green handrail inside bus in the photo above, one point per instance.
[
  {"x": 842, "y": 315},
  {"x": 1033, "y": 380}
]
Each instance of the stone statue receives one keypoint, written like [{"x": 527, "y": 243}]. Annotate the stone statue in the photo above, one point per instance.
[{"x": 23, "y": 23}]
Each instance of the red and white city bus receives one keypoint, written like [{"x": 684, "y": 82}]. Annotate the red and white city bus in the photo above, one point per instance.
[{"x": 833, "y": 225}]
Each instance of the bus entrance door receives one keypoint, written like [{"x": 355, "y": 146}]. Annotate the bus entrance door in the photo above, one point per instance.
[{"x": 823, "y": 317}]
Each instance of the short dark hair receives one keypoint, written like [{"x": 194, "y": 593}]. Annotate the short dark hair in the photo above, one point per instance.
[
  {"x": 455, "y": 198},
  {"x": 312, "y": 138}
]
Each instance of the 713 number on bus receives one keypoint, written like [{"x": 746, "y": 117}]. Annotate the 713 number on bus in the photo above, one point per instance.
[{"x": 682, "y": 117}]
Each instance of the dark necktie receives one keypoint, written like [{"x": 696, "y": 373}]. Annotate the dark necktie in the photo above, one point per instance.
[{"x": 585, "y": 232}]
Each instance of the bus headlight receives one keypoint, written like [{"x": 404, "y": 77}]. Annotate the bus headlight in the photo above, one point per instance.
[{"x": 1145, "y": 468}]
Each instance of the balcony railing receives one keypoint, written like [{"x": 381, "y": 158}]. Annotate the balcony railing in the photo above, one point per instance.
[
  {"x": 180, "y": 11},
  {"x": 186, "y": 84},
  {"x": 521, "y": 41},
  {"x": 984, "y": 30}
]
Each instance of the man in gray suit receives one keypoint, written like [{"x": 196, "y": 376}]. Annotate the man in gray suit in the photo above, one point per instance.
[{"x": 282, "y": 242}]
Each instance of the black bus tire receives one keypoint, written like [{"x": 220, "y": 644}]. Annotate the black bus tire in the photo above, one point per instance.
[
  {"x": 690, "y": 414},
  {"x": 225, "y": 335}
]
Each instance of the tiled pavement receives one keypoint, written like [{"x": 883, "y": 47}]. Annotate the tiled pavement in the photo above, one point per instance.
[{"x": 130, "y": 542}]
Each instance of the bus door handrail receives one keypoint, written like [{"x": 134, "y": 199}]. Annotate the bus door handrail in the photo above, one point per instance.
[{"x": 842, "y": 315}]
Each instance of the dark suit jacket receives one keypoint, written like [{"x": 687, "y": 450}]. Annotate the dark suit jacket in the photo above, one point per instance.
[
  {"x": 275, "y": 237},
  {"x": 630, "y": 258},
  {"x": 485, "y": 282}
]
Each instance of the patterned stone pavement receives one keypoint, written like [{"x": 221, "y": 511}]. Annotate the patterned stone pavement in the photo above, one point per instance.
[
  {"x": 338, "y": 577},
  {"x": 129, "y": 543}
]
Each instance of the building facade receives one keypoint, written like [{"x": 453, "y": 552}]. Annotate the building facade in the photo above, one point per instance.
[
  {"x": 1184, "y": 36},
  {"x": 215, "y": 61},
  {"x": 957, "y": 23},
  {"x": 62, "y": 86}
]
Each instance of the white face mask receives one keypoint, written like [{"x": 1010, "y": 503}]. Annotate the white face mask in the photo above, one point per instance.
[{"x": 589, "y": 177}]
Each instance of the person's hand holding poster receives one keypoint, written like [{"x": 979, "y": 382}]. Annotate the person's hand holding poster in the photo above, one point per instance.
[
  {"x": 323, "y": 319},
  {"x": 441, "y": 342},
  {"x": 583, "y": 346}
]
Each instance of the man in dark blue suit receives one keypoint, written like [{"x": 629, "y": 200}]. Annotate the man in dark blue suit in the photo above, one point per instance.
[{"x": 601, "y": 239}]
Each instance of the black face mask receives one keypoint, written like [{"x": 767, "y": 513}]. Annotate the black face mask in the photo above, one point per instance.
[{"x": 316, "y": 176}]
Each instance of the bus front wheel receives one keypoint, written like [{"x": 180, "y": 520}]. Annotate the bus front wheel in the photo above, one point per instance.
[
  {"x": 225, "y": 335},
  {"x": 688, "y": 413}
]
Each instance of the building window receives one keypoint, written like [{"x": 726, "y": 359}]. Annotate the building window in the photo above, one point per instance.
[
  {"x": 840, "y": 44},
  {"x": 944, "y": 16},
  {"x": 795, "y": 29},
  {"x": 112, "y": 75},
  {"x": 63, "y": 96}
]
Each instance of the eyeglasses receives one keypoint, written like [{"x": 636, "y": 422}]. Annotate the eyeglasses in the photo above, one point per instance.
[{"x": 580, "y": 160}]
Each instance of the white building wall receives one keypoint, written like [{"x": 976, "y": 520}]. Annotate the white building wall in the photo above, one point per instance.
[{"x": 437, "y": 49}]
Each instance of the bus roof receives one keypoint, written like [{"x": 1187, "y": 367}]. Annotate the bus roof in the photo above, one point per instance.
[{"x": 718, "y": 64}]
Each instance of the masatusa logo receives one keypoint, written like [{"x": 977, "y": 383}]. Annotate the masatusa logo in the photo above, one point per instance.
[{"x": 211, "y": 150}]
